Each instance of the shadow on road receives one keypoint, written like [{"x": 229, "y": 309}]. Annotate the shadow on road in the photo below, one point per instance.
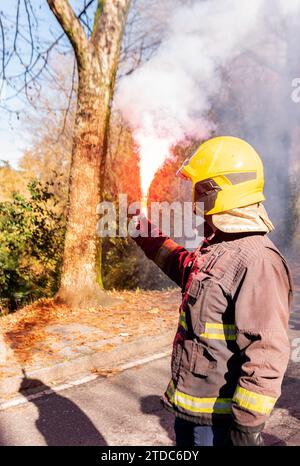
[
  {"x": 295, "y": 320},
  {"x": 289, "y": 401},
  {"x": 290, "y": 396},
  {"x": 151, "y": 405},
  {"x": 61, "y": 422}
]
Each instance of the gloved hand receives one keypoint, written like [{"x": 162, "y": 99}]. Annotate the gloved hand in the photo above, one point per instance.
[{"x": 246, "y": 436}]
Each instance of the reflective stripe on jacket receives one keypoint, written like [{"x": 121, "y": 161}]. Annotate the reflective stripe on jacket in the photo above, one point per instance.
[{"x": 231, "y": 348}]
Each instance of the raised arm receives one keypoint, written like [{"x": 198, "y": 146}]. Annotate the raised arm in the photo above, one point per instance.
[{"x": 172, "y": 258}]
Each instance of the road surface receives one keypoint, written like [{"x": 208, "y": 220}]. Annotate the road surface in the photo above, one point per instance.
[
  {"x": 125, "y": 410},
  {"x": 120, "y": 410}
]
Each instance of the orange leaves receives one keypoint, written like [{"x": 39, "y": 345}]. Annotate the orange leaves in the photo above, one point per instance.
[{"x": 47, "y": 332}]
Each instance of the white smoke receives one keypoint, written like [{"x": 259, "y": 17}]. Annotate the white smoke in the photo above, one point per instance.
[
  {"x": 256, "y": 104},
  {"x": 170, "y": 97},
  {"x": 288, "y": 7},
  {"x": 167, "y": 99}
]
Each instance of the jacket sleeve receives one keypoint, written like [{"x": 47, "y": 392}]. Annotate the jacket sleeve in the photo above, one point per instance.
[
  {"x": 261, "y": 314},
  {"x": 172, "y": 258}
]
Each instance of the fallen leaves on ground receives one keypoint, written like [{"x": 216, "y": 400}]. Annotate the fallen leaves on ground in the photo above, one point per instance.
[
  {"x": 105, "y": 372},
  {"x": 142, "y": 313}
]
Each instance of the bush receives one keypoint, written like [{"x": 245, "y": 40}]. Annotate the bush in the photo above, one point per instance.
[
  {"x": 31, "y": 244},
  {"x": 125, "y": 267}
]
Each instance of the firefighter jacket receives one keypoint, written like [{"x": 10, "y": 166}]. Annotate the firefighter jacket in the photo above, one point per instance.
[{"x": 231, "y": 348}]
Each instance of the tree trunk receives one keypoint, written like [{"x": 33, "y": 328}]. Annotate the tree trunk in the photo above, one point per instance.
[{"x": 81, "y": 277}]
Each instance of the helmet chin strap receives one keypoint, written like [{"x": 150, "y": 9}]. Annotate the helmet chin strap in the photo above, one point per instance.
[
  {"x": 209, "y": 227},
  {"x": 198, "y": 209},
  {"x": 209, "y": 222}
]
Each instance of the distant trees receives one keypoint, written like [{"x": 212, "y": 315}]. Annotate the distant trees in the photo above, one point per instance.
[{"x": 11, "y": 181}]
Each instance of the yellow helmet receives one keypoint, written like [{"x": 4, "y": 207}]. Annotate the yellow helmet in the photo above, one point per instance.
[{"x": 226, "y": 173}]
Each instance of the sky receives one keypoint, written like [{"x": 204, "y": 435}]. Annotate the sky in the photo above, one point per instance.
[
  {"x": 14, "y": 135},
  {"x": 11, "y": 147}
]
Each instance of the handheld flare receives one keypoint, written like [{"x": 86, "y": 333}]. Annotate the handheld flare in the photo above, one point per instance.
[{"x": 144, "y": 208}]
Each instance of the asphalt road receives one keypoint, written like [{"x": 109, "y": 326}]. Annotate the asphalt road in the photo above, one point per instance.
[
  {"x": 125, "y": 410},
  {"x": 119, "y": 410}
]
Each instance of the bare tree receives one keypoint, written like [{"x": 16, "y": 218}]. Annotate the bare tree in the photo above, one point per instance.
[{"x": 97, "y": 63}]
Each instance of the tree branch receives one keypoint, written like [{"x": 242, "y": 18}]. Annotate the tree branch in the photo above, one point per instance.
[
  {"x": 72, "y": 28},
  {"x": 98, "y": 13},
  {"x": 109, "y": 23},
  {"x": 109, "y": 20},
  {"x": 3, "y": 54}
]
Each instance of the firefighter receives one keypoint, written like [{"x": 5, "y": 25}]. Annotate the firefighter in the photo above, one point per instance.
[{"x": 231, "y": 348}]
